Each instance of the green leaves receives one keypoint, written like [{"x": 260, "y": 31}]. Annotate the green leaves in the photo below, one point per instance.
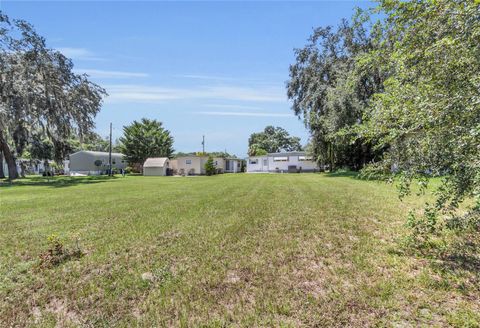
[
  {"x": 330, "y": 90},
  {"x": 210, "y": 168},
  {"x": 272, "y": 140},
  {"x": 42, "y": 98},
  {"x": 429, "y": 111},
  {"x": 145, "y": 139}
]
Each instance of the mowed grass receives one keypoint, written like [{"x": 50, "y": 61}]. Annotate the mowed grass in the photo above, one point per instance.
[{"x": 230, "y": 250}]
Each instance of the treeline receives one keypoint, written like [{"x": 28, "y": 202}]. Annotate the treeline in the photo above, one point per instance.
[
  {"x": 47, "y": 111},
  {"x": 396, "y": 90},
  {"x": 43, "y": 103},
  {"x": 331, "y": 90}
]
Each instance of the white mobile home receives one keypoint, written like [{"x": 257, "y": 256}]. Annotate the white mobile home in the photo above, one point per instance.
[
  {"x": 156, "y": 166},
  {"x": 195, "y": 165},
  {"x": 288, "y": 162},
  {"x": 94, "y": 162}
]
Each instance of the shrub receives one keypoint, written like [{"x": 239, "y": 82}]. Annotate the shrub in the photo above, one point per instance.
[{"x": 210, "y": 168}]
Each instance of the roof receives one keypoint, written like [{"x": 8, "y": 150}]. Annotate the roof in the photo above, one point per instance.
[
  {"x": 96, "y": 153},
  {"x": 288, "y": 153},
  {"x": 190, "y": 156},
  {"x": 155, "y": 162},
  {"x": 204, "y": 157}
]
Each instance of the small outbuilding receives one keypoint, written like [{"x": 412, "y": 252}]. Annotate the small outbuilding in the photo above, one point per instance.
[{"x": 156, "y": 166}]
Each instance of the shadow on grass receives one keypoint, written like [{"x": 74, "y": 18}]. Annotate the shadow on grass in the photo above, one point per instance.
[
  {"x": 55, "y": 182},
  {"x": 457, "y": 263},
  {"x": 462, "y": 259},
  {"x": 343, "y": 173}
]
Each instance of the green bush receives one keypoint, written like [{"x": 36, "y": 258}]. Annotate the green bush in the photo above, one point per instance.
[{"x": 210, "y": 168}]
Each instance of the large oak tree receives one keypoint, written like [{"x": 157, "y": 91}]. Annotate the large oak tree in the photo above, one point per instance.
[
  {"x": 39, "y": 94},
  {"x": 330, "y": 93}
]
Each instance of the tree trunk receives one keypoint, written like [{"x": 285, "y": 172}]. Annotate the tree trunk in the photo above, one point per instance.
[
  {"x": 12, "y": 166},
  {"x": 332, "y": 161},
  {"x": 2, "y": 174}
]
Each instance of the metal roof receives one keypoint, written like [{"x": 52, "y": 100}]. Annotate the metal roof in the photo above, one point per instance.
[
  {"x": 288, "y": 153},
  {"x": 96, "y": 153}
]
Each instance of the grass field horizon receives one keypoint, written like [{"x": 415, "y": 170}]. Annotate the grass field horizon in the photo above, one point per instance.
[{"x": 286, "y": 250}]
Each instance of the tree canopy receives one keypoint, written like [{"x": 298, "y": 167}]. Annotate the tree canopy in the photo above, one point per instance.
[
  {"x": 144, "y": 139},
  {"x": 40, "y": 95},
  {"x": 330, "y": 93},
  {"x": 272, "y": 140},
  {"x": 428, "y": 115},
  {"x": 398, "y": 94}
]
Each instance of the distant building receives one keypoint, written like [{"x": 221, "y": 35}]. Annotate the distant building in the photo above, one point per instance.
[
  {"x": 30, "y": 167},
  {"x": 156, "y": 166},
  {"x": 86, "y": 162},
  {"x": 195, "y": 165},
  {"x": 287, "y": 162}
]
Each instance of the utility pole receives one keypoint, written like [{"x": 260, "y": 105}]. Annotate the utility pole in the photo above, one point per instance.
[
  {"x": 203, "y": 145},
  {"x": 110, "y": 153}
]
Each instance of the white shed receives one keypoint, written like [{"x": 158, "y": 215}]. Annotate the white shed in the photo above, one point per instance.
[{"x": 156, "y": 166}]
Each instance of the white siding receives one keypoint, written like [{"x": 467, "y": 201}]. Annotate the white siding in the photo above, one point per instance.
[
  {"x": 280, "y": 163},
  {"x": 257, "y": 164},
  {"x": 293, "y": 160}
]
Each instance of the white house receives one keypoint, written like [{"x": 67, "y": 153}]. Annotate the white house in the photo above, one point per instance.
[
  {"x": 156, "y": 166},
  {"x": 195, "y": 165},
  {"x": 287, "y": 162}
]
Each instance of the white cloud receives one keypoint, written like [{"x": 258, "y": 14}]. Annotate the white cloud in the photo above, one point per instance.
[
  {"x": 204, "y": 77},
  {"x": 78, "y": 53},
  {"x": 96, "y": 73},
  {"x": 157, "y": 94},
  {"x": 250, "y": 114},
  {"x": 231, "y": 106}
]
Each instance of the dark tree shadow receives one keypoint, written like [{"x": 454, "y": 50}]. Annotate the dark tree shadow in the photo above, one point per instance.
[
  {"x": 462, "y": 259},
  {"x": 458, "y": 263},
  {"x": 55, "y": 182},
  {"x": 343, "y": 173}
]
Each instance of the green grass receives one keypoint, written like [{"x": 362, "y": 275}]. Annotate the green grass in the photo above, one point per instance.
[{"x": 230, "y": 250}]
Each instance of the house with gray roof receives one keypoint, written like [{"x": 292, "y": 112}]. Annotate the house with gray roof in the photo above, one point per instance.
[{"x": 87, "y": 162}]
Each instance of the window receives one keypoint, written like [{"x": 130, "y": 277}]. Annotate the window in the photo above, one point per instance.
[
  {"x": 188, "y": 161},
  {"x": 265, "y": 162},
  {"x": 305, "y": 158},
  {"x": 253, "y": 161},
  {"x": 280, "y": 159},
  {"x": 216, "y": 163}
]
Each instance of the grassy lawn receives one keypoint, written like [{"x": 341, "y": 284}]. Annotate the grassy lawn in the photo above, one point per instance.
[{"x": 230, "y": 250}]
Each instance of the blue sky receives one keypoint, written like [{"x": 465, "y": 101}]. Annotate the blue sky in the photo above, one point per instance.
[{"x": 202, "y": 68}]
